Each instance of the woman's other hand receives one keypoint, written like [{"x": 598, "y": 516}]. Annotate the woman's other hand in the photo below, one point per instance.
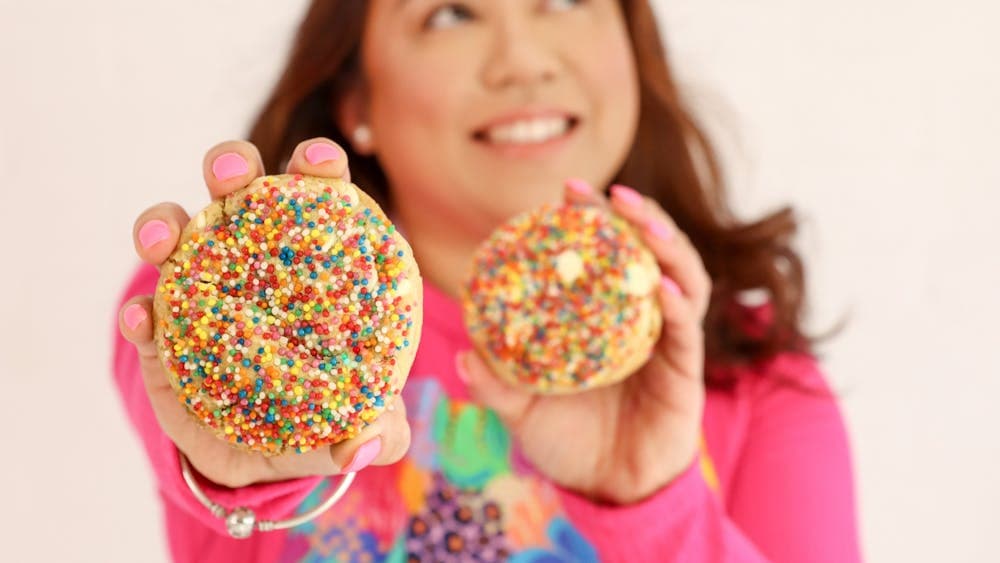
[{"x": 623, "y": 442}]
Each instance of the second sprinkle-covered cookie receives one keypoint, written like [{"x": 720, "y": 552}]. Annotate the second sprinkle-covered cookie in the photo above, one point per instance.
[{"x": 562, "y": 299}]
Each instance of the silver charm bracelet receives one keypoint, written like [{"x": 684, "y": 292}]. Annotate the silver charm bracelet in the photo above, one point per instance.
[{"x": 241, "y": 521}]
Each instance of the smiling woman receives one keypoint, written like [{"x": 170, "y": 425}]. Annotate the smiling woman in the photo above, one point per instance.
[
  {"x": 332, "y": 82},
  {"x": 456, "y": 116}
]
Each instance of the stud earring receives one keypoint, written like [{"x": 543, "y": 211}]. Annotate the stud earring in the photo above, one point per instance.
[{"x": 362, "y": 135}]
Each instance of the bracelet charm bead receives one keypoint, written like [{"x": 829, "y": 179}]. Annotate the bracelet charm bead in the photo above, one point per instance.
[{"x": 240, "y": 522}]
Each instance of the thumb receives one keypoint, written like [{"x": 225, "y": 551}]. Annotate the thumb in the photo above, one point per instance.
[{"x": 510, "y": 403}]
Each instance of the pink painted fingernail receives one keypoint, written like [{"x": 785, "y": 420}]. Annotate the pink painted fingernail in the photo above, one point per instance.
[
  {"x": 153, "y": 232},
  {"x": 659, "y": 229},
  {"x": 627, "y": 195},
  {"x": 579, "y": 186},
  {"x": 133, "y": 315},
  {"x": 318, "y": 153},
  {"x": 365, "y": 455},
  {"x": 460, "y": 368},
  {"x": 229, "y": 165},
  {"x": 670, "y": 285}
]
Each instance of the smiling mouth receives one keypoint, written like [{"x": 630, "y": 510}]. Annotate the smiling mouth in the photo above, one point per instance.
[{"x": 531, "y": 131}]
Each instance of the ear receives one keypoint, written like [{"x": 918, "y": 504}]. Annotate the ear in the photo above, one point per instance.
[{"x": 350, "y": 114}]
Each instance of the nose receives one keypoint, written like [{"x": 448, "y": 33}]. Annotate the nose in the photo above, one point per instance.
[{"x": 519, "y": 56}]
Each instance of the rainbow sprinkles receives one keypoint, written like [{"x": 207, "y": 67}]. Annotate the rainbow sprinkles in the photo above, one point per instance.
[
  {"x": 561, "y": 299},
  {"x": 289, "y": 315}
]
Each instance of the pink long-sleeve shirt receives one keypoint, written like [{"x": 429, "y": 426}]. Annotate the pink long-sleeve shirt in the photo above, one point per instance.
[{"x": 773, "y": 481}]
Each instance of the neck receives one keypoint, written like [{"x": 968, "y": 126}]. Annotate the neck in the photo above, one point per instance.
[{"x": 441, "y": 248}]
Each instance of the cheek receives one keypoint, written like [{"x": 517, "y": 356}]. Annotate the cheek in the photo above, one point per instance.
[
  {"x": 404, "y": 99},
  {"x": 413, "y": 105},
  {"x": 613, "y": 82},
  {"x": 607, "y": 70}
]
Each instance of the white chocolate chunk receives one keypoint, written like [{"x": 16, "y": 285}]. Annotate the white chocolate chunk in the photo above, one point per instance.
[
  {"x": 569, "y": 266},
  {"x": 403, "y": 287},
  {"x": 638, "y": 280},
  {"x": 351, "y": 194}
]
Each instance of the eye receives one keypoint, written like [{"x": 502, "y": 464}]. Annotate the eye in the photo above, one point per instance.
[
  {"x": 561, "y": 5},
  {"x": 448, "y": 15}
]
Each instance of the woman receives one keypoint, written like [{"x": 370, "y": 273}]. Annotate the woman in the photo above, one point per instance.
[{"x": 726, "y": 445}]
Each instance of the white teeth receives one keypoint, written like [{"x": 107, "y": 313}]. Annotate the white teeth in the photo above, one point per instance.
[{"x": 528, "y": 131}]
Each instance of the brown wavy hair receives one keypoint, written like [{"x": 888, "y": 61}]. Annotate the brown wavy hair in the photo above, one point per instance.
[{"x": 671, "y": 160}]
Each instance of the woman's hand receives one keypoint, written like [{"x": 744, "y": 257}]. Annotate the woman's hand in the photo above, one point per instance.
[
  {"x": 228, "y": 167},
  {"x": 623, "y": 442}
]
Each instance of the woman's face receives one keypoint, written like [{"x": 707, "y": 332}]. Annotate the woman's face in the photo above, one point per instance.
[{"x": 480, "y": 109}]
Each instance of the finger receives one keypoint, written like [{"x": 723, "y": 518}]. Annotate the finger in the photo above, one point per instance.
[
  {"x": 136, "y": 326},
  {"x": 681, "y": 341},
  {"x": 674, "y": 251},
  {"x": 319, "y": 157},
  {"x": 382, "y": 442},
  {"x": 681, "y": 262},
  {"x": 638, "y": 209},
  {"x": 509, "y": 403},
  {"x": 229, "y": 166},
  {"x": 156, "y": 231},
  {"x": 135, "y": 321},
  {"x": 580, "y": 191},
  {"x": 393, "y": 442}
]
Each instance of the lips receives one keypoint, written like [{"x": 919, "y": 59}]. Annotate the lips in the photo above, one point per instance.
[{"x": 527, "y": 128}]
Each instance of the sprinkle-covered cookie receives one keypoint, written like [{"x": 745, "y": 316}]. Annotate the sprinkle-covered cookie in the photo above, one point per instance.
[
  {"x": 289, "y": 314},
  {"x": 562, "y": 299}
]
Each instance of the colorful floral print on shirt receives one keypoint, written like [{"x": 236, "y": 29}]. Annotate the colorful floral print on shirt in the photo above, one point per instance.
[{"x": 459, "y": 495}]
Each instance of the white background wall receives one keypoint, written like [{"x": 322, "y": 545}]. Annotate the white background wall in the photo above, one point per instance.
[{"x": 877, "y": 119}]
